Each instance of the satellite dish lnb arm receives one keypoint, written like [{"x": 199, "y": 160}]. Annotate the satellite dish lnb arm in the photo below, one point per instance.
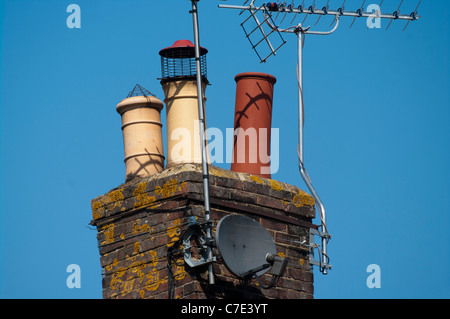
[
  {"x": 252, "y": 272},
  {"x": 277, "y": 263}
]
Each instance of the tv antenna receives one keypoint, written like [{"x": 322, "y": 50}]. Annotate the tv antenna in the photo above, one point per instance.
[{"x": 264, "y": 18}]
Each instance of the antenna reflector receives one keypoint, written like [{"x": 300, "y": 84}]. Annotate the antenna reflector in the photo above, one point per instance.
[
  {"x": 263, "y": 51},
  {"x": 244, "y": 245}
]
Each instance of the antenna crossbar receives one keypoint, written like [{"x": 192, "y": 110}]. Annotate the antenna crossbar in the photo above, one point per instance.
[{"x": 324, "y": 11}]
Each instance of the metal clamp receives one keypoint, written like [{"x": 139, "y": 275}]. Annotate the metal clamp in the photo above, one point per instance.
[
  {"x": 323, "y": 260},
  {"x": 196, "y": 232}
]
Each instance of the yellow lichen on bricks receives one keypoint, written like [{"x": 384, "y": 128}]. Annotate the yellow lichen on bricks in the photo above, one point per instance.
[
  {"x": 116, "y": 283},
  {"x": 168, "y": 188},
  {"x": 119, "y": 272},
  {"x": 112, "y": 200},
  {"x": 179, "y": 272},
  {"x": 182, "y": 186},
  {"x": 142, "y": 198},
  {"x": 256, "y": 179},
  {"x": 173, "y": 232},
  {"x": 154, "y": 258},
  {"x": 97, "y": 209},
  {"x": 137, "y": 247},
  {"x": 116, "y": 197},
  {"x": 128, "y": 286},
  {"x": 108, "y": 230},
  {"x": 222, "y": 172},
  {"x": 137, "y": 268},
  {"x": 303, "y": 199},
  {"x": 137, "y": 280},
  {"x": 275, "y": 185},
  {"x": 110, "y": 266},
  {"x": 145, "y": 228},
  {"x": 153, "y": 281},
  {"x": 138, "y": 228}
]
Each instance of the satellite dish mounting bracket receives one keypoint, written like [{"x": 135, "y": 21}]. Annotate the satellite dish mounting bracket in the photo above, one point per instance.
[{"x": 196, "y": 232}]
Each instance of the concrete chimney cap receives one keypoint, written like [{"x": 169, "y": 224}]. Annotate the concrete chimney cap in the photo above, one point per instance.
[{"x": 139, "y": 101}]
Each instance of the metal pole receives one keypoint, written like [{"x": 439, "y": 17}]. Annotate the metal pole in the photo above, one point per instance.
[
  {"x": 201, "y": 116},
  {"x": 303, "y": 173},
  {"x": 300, "y": 92}
]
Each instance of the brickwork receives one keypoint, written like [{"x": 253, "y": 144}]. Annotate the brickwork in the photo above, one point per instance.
[{"x": 141, "y": 224}]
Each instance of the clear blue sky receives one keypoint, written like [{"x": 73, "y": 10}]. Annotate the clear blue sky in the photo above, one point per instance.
[{"x": 377, "y": 136}]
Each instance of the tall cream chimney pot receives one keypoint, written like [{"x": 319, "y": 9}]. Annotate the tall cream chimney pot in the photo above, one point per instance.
[
  {"x": 142, "y": 135},
  {"x": 183, "y": 136}
]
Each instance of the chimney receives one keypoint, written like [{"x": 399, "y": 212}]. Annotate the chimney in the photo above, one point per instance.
[
  {"x": 142, "y": 135},
  {"x": 151, "y": 229},
  {"x": 143, "y": 226},
  {"x": 180, "y": 89},
  {"x": 252, "y": 123}
]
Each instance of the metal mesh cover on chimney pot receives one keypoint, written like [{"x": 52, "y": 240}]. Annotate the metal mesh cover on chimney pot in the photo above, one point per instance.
[
  {"x": 178, "y": 61},
  {"x": 180, "y": 89}
]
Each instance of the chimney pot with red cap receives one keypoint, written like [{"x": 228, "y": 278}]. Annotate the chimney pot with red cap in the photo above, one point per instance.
[{"x": 179, "y": 83}]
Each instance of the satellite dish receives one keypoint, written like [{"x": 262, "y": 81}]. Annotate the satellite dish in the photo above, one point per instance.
[{"x": 244, "y": 245}]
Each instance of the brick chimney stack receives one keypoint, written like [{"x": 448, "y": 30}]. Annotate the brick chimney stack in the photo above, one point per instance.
[{"x": 141, "y": 225}]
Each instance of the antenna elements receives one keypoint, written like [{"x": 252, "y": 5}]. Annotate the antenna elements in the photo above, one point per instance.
[
  {"x": 268, "y": 9},
  {"x": 282, "y": 7}
]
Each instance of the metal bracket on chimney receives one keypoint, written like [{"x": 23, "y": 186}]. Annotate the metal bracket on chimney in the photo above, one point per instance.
[
  {"x": 196, "y": 233},
  {"x": 323, "y": 259}
]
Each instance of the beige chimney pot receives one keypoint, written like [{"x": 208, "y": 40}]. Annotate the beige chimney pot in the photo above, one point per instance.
[
  {"x": 183, "y": 135},
  {"x": 142, "y": 135}
]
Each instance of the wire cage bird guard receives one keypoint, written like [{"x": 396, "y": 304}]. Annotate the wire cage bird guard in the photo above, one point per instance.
[
  {"x": 264, "y": 18},
  {"x": 179, "y": 61}
]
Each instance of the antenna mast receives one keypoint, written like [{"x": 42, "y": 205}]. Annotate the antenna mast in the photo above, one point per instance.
[
  {"x": 202, "y": 124},
  {"x": 267, "y": 9}
]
